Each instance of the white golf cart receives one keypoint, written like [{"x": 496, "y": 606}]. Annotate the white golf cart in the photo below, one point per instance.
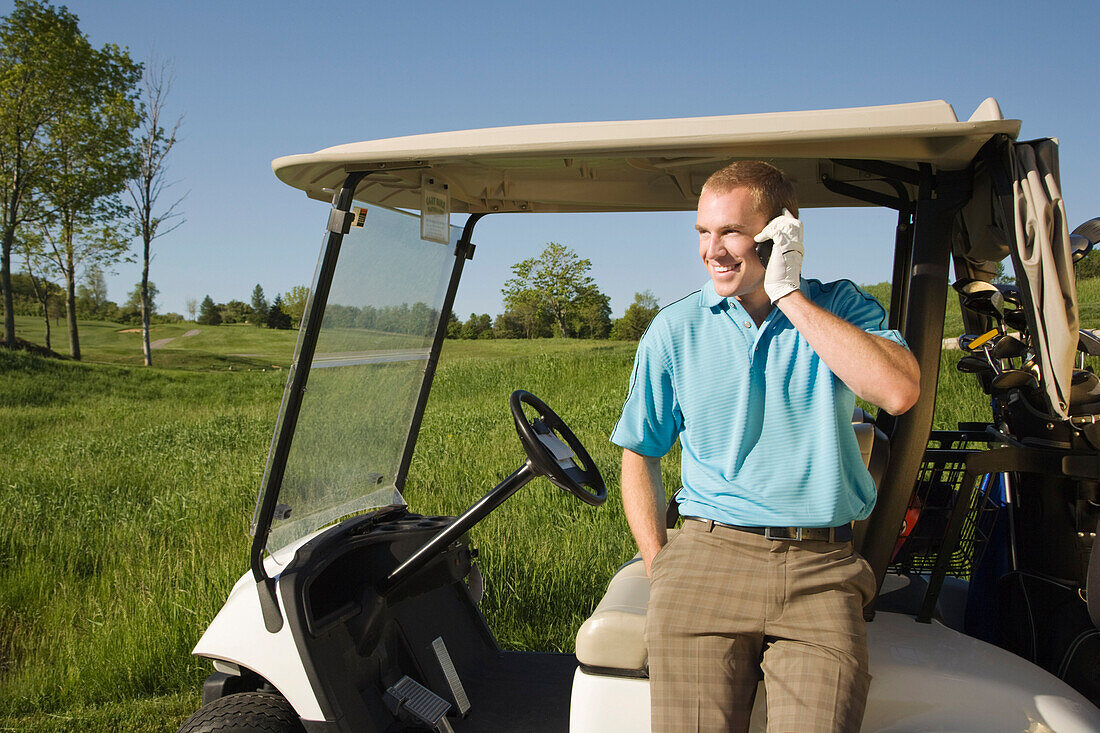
[{"x": 359, "y": 615}]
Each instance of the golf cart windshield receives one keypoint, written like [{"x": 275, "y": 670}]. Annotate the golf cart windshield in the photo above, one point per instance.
[{"x": 373, "y": 345}]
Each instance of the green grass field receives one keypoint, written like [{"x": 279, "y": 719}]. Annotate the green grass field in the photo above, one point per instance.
[
  {"x": 127, "y": 495},
  {"x": 235, "y": 346}
]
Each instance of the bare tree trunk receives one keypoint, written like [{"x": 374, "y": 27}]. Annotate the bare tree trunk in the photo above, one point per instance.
[
  {"x": 70, "y": 303},
  {"x": 46, "y": 318},
  {"x": 146, "y": 187},
  {"x": 145, "y": 348}
]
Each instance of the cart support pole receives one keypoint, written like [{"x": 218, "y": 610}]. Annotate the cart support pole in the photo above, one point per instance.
[
  {"x": 923, "y": 330},
  {"x": 339, "y": 220},
  {"x": 464, "y": 250}
]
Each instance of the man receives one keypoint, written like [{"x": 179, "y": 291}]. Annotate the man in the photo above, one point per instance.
[{"x": 757, "y": 374}]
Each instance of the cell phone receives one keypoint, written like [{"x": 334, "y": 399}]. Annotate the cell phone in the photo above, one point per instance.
[{"x": 764, "y": 251}]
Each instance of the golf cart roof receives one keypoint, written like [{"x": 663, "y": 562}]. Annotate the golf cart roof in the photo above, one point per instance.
[{"x": 655, "y": 165}]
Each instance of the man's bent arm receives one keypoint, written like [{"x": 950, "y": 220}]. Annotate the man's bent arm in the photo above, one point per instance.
[
  {"x": 876, "y": 369},
  {"x": 641, "y": 485}
]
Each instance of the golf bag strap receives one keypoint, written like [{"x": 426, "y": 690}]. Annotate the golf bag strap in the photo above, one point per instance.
[{"x": 1092, "y": 583}]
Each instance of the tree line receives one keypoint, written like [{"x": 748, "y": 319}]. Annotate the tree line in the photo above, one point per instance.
[
  {"x": 284, "y": 312},
  {"x": 549, "y": 295},
  {"x": 553, "y": 295},
  {"x": 83, "y": 148}
]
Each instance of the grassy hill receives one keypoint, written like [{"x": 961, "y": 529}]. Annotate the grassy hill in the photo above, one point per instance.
[{"x": 237, "y": 346}]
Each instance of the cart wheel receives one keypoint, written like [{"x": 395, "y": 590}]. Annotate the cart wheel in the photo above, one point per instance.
[{"x": 245, "y": 712}]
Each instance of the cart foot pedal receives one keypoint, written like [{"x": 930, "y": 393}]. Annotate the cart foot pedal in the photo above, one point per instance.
[
  {"x": 458, "y": 692},
  {"x": 410, "y": 699}
]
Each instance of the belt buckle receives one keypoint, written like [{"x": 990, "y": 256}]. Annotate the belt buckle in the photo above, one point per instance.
[{"x": 770, "y": 533}]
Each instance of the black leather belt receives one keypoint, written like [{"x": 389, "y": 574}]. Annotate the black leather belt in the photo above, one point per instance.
[{"x": 842, "y": 533}]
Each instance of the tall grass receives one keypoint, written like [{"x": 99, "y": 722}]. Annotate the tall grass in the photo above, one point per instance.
[
  {"x": 127, "y": 494},
  {"x": 125, "y": 498}
]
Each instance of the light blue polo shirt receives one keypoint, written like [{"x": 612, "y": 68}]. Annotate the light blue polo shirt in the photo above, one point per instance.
[{"x": 765, "y": 427}]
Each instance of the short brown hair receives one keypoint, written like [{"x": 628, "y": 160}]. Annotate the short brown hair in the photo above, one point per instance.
[{"x": 771, "y": 190}]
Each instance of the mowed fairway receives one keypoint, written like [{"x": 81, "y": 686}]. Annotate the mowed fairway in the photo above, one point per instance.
[{"x": 127, "y": 495}]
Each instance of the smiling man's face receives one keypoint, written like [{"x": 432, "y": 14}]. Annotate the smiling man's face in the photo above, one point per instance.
[{"x": 727, "y": 222}]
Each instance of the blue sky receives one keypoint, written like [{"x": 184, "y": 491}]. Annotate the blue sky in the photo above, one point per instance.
[{"x": 255, "y": 81}]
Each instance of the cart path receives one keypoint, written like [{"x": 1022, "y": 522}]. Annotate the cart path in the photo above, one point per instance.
[{"x": 161, "y": 343}]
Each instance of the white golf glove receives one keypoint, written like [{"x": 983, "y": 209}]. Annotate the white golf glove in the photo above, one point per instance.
[{"x": 781, "y": 277}]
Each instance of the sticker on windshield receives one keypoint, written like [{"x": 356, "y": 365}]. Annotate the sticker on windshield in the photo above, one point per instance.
[
  {"x": 435, "y": 210},
  {"x": 358, "y": 216}
]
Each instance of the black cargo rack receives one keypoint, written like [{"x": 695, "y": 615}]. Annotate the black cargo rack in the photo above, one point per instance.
[{"x": 953, "y": 513}]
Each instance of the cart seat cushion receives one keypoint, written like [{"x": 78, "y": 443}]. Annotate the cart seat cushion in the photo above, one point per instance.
[{"x": 613, "y": 637}]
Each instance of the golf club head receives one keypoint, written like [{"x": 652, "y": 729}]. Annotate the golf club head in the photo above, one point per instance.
[
  {"x": 1088, "y": 343},
  {"x": 1083, "y": 239},
  {"x": 970, "y": 342},
  {"x": 1010, "y": 292},
  {"x": 986, "y": 302},
  {"x": 980, "y": 297},
  {"x": 971, "y": 364},
  {"x": 1009, "y": 347},
  {"x": 1016, "y": 319},
  {"x": 1079, "y": 247},
  {"x": 1014, "y": 379},
  {"x": 1084, "y": 389},
  {"x": 970, "y": 286},
  {"x": 1090, "y": 230}
]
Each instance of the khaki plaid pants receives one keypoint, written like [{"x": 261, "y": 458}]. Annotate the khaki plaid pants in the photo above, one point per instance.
[{"x": 726, "y": 606}]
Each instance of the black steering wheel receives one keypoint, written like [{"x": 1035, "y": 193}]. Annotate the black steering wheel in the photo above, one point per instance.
[{"x": 566, "y": 464}]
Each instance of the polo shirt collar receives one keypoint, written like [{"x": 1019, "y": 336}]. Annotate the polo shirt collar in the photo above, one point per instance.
[{"x": 709, "y": 297}]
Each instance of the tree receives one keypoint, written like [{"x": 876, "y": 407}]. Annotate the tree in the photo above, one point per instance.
[
  {"x": 507, "y": 326},
  {"x": 454, "y": 326},
  {"x": 132, "y": 310},
  {"x": 53, "y": 87},
  {"x": 208, "y": 312},
  {"x": 91, "y": 158},
  {"x": 74, "y": 247},
  {"x": 46, "y": 293},
  {"x": 145, "y": 188},
  {"x": 276, "y": 316},
  {"x": 91, "y": 296},
  {"x": 524, "y": 318},
  {"x": 637, "y": 317},
  {"x": 137, "y": 295},
  {"x": 192, "y": 308},
  {"x": 1088, "y": 266},
  {"x": 29, "y": 303},
  {"x": 590, "y": 317},
  {"x": 294, "y": 304},
  {"x": 1002, "y": 276},
  {"x": 235, "y": 311},
  {"x": 259, "y": 306},
  {"x": 478, "y": 327},
  {"x": 553, "y": 283}
]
